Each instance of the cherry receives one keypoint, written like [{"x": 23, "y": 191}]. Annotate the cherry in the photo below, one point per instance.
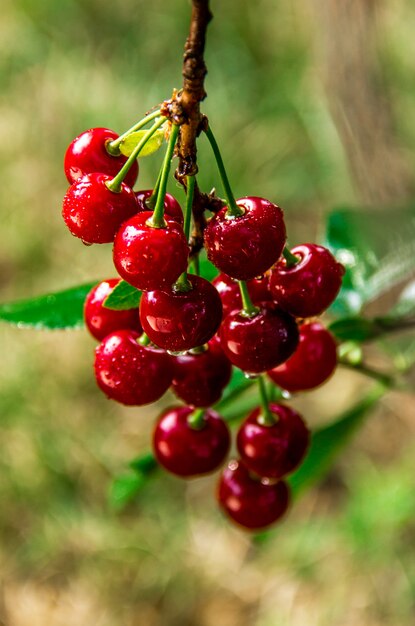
[
  {"x": 88, "y": 153},
  {"x": 313, "y": 362},
  {"x": 230, "y": 294},
  {"x": 129, "y": 372},
  {"x": 190, "y": 451},
  {"x": 310, "y": 286},
  {"x": 171, "y": 207},
  {"x": 246, "y": 246},
  {"x": 251, "y": 501},
  {"x": 181, "y": 320},
  {"x": 150, "y": 258},
  {"x": 94, "y": 213},
  {"x": 199, "y": 378},
  {"x": 101, "y": 321},
  {"x": 252, "y": 343},
  {"x": 273, "y": 450}
]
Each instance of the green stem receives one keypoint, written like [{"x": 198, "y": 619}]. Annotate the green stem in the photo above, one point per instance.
[
  {"x": 386, "y": 380},
  {"x": 189, "y": 204},
  {"x": 267, "y": 418},
  {"x": 195, "y": 264},
  {"x": 196, "y": 420},
  {"x": 143, "y": 340},
  {"x": 248, "y": 308},
  {"x": 151, "y": 200},
  {"x": 113, "y": 146},
  {"x": 157, "y": 221},
  {"x": 233, "y": 209},
  {"x": 115, "y": 184},
  {"x": 291, "y": 258},
  {"x": 182, "y": 284}
]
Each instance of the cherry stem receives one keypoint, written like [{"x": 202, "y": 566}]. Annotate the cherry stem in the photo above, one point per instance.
[
  {"x": 189, "y": 204},
  {"x": 151, "y": 200},
  {"x": 157, "y": 220},
  {"x": 113, "y": 146},
  {"x": 196, "y": 419},
  {"x": 266, "y": 417},
  {"x": 143, "y": 340},
  {"x": 114, "y": 185},
  {"x": 233, "y": 209},
  {"x": 290, "y": 258},
  {"x": 248, "y": 307},
  {"x": 182, "y": 284}
]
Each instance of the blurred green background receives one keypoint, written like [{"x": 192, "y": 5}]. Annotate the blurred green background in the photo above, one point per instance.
[{"x": 313, "y": 107}]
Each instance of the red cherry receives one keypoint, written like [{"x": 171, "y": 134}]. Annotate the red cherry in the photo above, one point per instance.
[
  {"x": 248, "y": 245},
  {"x": 131, "y": 373},
  {"x": 171, "y": 207},
  {"x": 251, "y": 343},
  {"x": 94, "y": 213},
  {"x": 188, "y": 451},
  {"x": 313, "y": 362},
  {"x": 250, "y": 501},
  {"x": 273, "y": 451},
  {"x": 88, "y": 153},
  {"x": 181, "y": 320},
  {"x": 310, "y": 286},
  {"x": 199, "y": 379},
  {"x": 101, "y": 321},
  {"x": 230, "y": 294},
  {"x": 150, "y": 258}
]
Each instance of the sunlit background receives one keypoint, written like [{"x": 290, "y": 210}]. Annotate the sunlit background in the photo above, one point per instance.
[{"x": 314, "y": 107}]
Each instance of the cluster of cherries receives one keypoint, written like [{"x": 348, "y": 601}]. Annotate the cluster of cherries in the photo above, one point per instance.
[{"x": 257, "y": 315}]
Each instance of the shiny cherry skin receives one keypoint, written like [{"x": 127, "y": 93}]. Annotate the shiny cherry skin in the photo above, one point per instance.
[
  {"x": 94, "y": 213},
  {"x": 150, "y": 258},
  {"x": 171, "y": 207},
  {"x": 230, "y": 294},
  {"x": 131, "y": 373},
  {"x": 309, "y": 287},
  {"x": 101, "y": 321},
  {"x": 313, "y": 362},
  {"x": 187, "y": 451},
  {"x": 273, "y": 451},
  {"x": 252, "y": 343},
  {"x": 250, "y": 501},
  {"x": 88, "y": 153},
  {"x": 246, "y": 246},
  {"x": 199, "y": 378},
  {"x": 181, "y": 320}
]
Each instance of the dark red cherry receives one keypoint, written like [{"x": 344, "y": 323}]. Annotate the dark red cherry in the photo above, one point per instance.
[
  {"x": 251, "y": 343},
  {"x": 273, "y": 451},
  {"x": 313, "y": 362},
  {"x": 101, "y": 321},
  {"x": 181, "y": 320},
  {"x": 131, "y": 373},
  {"x": 94, "y": 213},
  {"x": 310, "y": 286},
  {"x": 246, "y": 246},
  {"x": 150, "y": 258},
  {"x": 250, "y": 501},
  {"x": 187, "y": 451},
  {"x": 171, "y": 207},
  {"x": 230, "y": 294},
  {"x": 88, "y": 153},
  {"x": 200, "y": 378}
]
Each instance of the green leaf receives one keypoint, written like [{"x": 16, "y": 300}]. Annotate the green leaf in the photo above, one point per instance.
[
  {"x": 128, "y": 145},
  {"x": 405, "y": 305},
  {"x": 123, "y": 296},
  {"x": 124, "y": 489},
  {"x": 377, "y": 249},
  {"x": 327, "y": 442},
  {"x": 207, "y": 269},
  {"x": 354, "y": 329},
  {"x": 54, "y": 311}
]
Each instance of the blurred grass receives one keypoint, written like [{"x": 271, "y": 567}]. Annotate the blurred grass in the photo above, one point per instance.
[{"x": 345, "y": 555}]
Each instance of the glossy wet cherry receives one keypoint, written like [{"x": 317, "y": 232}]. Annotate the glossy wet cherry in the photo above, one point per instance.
[
  {"x": 129, "y": 372},
  {"x": 186, "y": 450},
  {"x": 250, "y": 501},
  {"x": 94, "y": 213},
  {"x": 273, "y": 450},
  {"x": 102, "y": 321},
  {"x": 246, "y": 246},
  {"x": 88, "y": 153},
  {"x": 171, "y": 207},
  {"x": 313, "y": 362}
]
